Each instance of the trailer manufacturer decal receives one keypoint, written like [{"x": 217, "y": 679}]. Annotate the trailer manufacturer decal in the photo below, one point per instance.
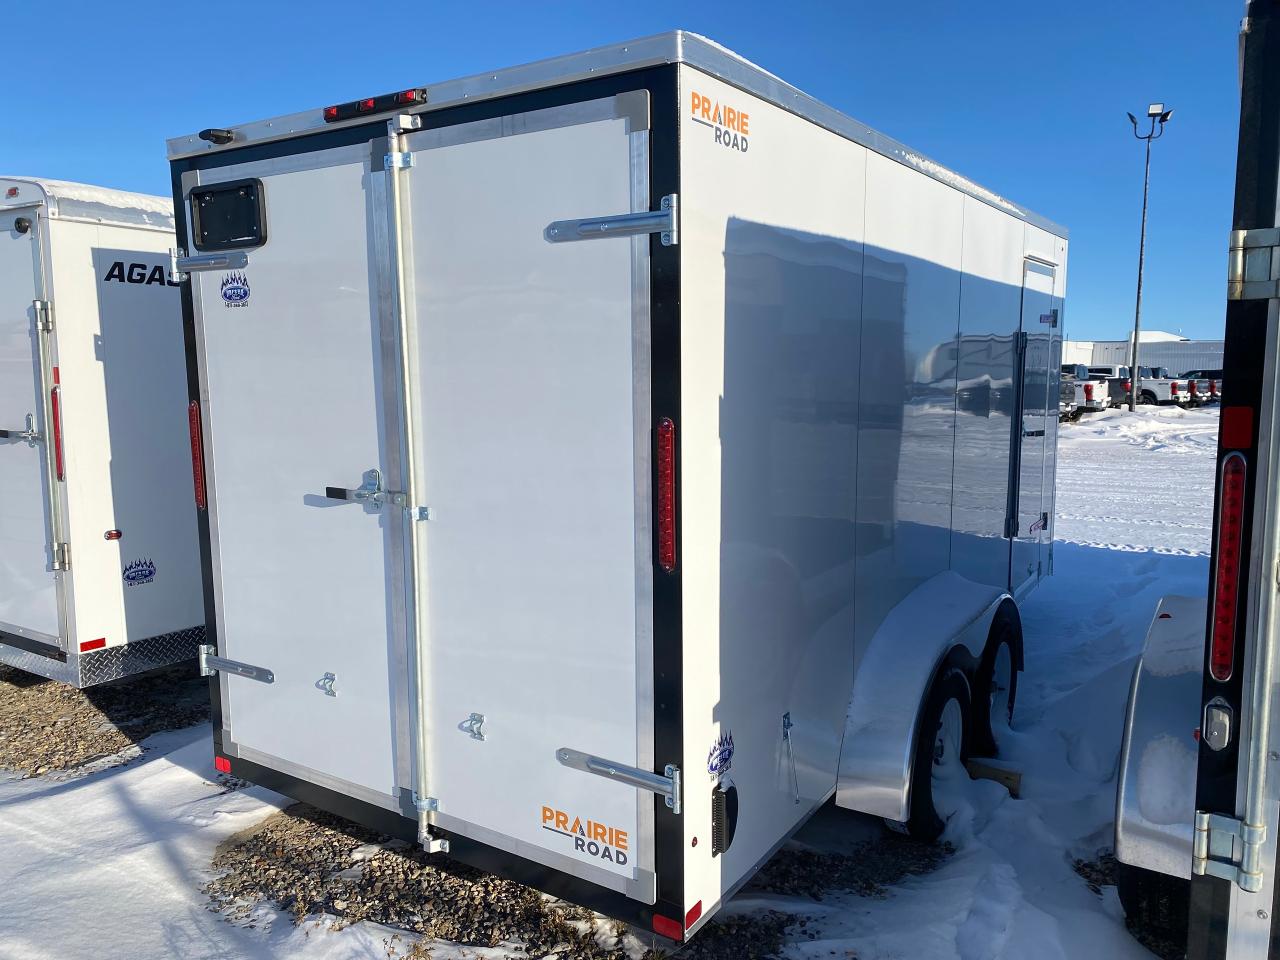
[
  {"x": 729, "y": 125},
  {"x": 146, "y": 274},
  {"x": 235, "y": 290},
  {"x": 720, "y": 756},
  {"x": 589, "y": 837},
  {"x": 139, "y": 572}
]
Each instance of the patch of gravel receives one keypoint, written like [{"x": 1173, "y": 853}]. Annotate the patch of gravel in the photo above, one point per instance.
[
  {"x": 1102, "y": 872},
  {"x": 1099, "y": 872},
  {"x": 310, "y": 863},
  {"x": 46, "y": 727}
]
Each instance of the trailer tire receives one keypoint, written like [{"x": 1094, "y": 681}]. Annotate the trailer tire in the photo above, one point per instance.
[
  {"x": 1154, "y": 902},
  {"x": 995, "y": 686},
  {"x": 940, "y": 752}
]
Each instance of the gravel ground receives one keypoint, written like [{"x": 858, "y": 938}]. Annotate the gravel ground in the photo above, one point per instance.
[
  {"x": 1101, "y": 873},
  {"x": 46, "y": 727},
  {"x": 309, "y": 863}
]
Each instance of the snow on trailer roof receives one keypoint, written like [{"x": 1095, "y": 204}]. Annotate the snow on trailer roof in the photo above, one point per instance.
[
  {"x": 677, "y": 46},
  {"x": 83, "y": 201}
]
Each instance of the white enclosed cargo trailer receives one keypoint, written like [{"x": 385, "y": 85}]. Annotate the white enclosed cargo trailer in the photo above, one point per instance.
[
  {"x": 99, "y": 558},
  {"x": 609, "y": 461}
]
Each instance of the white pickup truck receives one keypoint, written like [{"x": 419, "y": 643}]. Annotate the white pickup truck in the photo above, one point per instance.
[
  {"x": 1092, "y": 393},
  {"x": 1203, "y": 386},
  {"x": 1157, "y": 387}
]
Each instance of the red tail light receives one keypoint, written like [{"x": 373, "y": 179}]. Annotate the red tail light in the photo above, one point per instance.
[
  {"x": 666, "y": 927},
  {"x": 1128, "y": 386},
  {"x": 197, "y": 453},
  {"x": 1088, "y": 391},
  {"x": 222, "y": 764},
  {"x": 1192, "y": 389},
  {"x": 55, "y": 403},
  {"x": 1173, "y": 388},
  {"x": 1213, "y": 388},
  {"x": 1226, "y": 575},
  {"x": 666, "y": 497}
]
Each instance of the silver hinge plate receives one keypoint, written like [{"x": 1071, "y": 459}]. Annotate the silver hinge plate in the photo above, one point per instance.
[
  {"x": 1253, "y": 267},
  {"x": 1218, "y": 849},
  {"x": 44, "y": 315},
  {"x": 210, "y": 664},
  {"x": 665, "y": 221},
  {"x": 666, "y": 785},
  {"x": 398, "y": 161},
  {"x": 426, "y": 804},
  {"x": 61, "y": 556}
]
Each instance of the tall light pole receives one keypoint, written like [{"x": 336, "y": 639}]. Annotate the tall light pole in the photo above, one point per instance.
[{"x": 1159, "y": 117}]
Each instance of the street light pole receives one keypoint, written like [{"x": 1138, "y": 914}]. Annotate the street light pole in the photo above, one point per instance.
[{"x": 1159, "y": 117}]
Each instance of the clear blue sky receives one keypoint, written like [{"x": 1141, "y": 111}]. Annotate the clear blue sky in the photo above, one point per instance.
[{"x": 1028, "y": 99}]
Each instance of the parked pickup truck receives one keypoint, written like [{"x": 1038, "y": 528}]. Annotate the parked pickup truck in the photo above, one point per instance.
[
  {"x": 1203, "y": 386},
  {"x": 1157, "y": 387},
  {"x": 1067, "y": 408},
  {"x": 1091, "y": 392},
  {"x": 1118, "y": 383}
]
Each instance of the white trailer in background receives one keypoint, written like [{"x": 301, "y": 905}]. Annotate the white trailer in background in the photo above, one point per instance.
[
  {"x": 611, "y": 460},
  {"x": 99, "y": 561}
]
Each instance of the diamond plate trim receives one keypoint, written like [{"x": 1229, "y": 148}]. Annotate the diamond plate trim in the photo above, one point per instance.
[{"x": 110, "y": 663}]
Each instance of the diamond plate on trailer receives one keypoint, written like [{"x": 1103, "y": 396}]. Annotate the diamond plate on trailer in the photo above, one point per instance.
[{"x": 112, "y": 663}]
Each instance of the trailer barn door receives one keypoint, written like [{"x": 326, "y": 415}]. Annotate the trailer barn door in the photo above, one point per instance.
[
  {"x": 533, "y": 413},
  {"x": 296, "y": 446},
  {"x": 1037, "y": 403},
  {"x": 29, "y": 610}
]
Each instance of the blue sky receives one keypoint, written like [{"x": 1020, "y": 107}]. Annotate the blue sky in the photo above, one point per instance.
[{"x": 1027, "y": 99}]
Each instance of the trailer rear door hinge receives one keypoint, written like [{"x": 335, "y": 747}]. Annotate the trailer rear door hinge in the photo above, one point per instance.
[
  {"x": 1228, "y": 848},
  {"x": 44, "y": 315},
  {"x": 61, "y": 556},
  {"x": 664, "y": 221},
  {"x": 397, "y": 161},
  {"x": 665, "y": 785},
  {"x": 1253, "y": 268},
  {"x": 210, "y": 664}
]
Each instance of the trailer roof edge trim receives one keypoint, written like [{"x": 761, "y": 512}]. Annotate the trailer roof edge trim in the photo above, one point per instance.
[
  {"x": 677, "y": 46},
  {"x": 82, "y": 201}
]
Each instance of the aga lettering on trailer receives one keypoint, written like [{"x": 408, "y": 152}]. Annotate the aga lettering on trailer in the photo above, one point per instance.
[
  {"x": 589, "y": 837},
  {"x": 146, "y": 274},
  {"x": 730, "y": 126}
]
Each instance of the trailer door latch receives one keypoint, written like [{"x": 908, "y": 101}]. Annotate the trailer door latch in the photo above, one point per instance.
[
  {"x": 369, "y": 491},
  {"x": 665, "y": 785},
  {"x": 664, "y": 221},
  {"x": 210, "y": 664},
  {"x": 1253, "y": 268},
  {"x": 1228, "y": 848}
]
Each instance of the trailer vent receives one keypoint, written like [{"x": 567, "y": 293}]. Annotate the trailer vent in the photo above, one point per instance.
[{"x": 724, "y": 817}]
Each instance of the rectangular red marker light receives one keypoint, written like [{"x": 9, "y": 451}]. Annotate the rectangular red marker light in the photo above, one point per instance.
[{"x": 93, "y": 644}]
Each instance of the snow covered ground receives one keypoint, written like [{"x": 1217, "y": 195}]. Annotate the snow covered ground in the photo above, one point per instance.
[{"x": 110, "y": 864}]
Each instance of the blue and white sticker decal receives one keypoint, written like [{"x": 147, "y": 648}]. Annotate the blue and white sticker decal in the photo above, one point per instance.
[
  {"x": 720, "y": 756},
  {"x": 139, "y": 572},
  {"x": 235, "y": 290}
]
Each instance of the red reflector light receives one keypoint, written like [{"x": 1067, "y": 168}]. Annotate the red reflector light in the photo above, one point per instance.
[
  {"x": 55, "y": 403},
  {"x": 330, "y": 114},
  {"x": 11, "y": 193},
  {"x": 93, "y": 644},
  {"x": 112, "y": 535},
  {"x": 409, "y": 96},
  {"x": 1235, "y": 432},
  {"x": 1226, "y": 576},
  {"x": 365, "y": 105},
  {"x": 692, "y": 916},
  {"x": 666, "y": 927},
  {"x": 666, "y": 497},
  {"x": 1088, "y": 391},
  {"x": 222, "y": 764},
  {"x": 197, "y": 453}
]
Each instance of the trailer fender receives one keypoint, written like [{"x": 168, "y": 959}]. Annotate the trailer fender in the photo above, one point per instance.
[
  {"x": 944, "y": 620},
  {"x": 1156, "y": 791}
]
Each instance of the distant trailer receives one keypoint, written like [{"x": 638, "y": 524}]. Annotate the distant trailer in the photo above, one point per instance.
[
  {"x": 610, "y": 460},
  {"x": 99, "y": 558}
]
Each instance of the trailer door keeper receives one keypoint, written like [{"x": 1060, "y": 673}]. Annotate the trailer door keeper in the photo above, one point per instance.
[
  {"x": 665, "y": 221},
  {"x": 211, "y": 664},
  {"x": 667, "y": 786}
]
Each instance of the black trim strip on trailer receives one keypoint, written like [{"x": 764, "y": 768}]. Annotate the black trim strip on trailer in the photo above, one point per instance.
[
  {"x": 37, "y": 647},
  {"x": 662, "y": 83}
]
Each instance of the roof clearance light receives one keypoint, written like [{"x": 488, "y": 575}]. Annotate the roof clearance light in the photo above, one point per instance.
[
  {"x": 11, "y": 193},
  {"x": 410, "y": 96},
  {"x": 330, "y": 114},
  {"x": 365, "y": 105},
  {"x": 1226, "y": 578}
]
